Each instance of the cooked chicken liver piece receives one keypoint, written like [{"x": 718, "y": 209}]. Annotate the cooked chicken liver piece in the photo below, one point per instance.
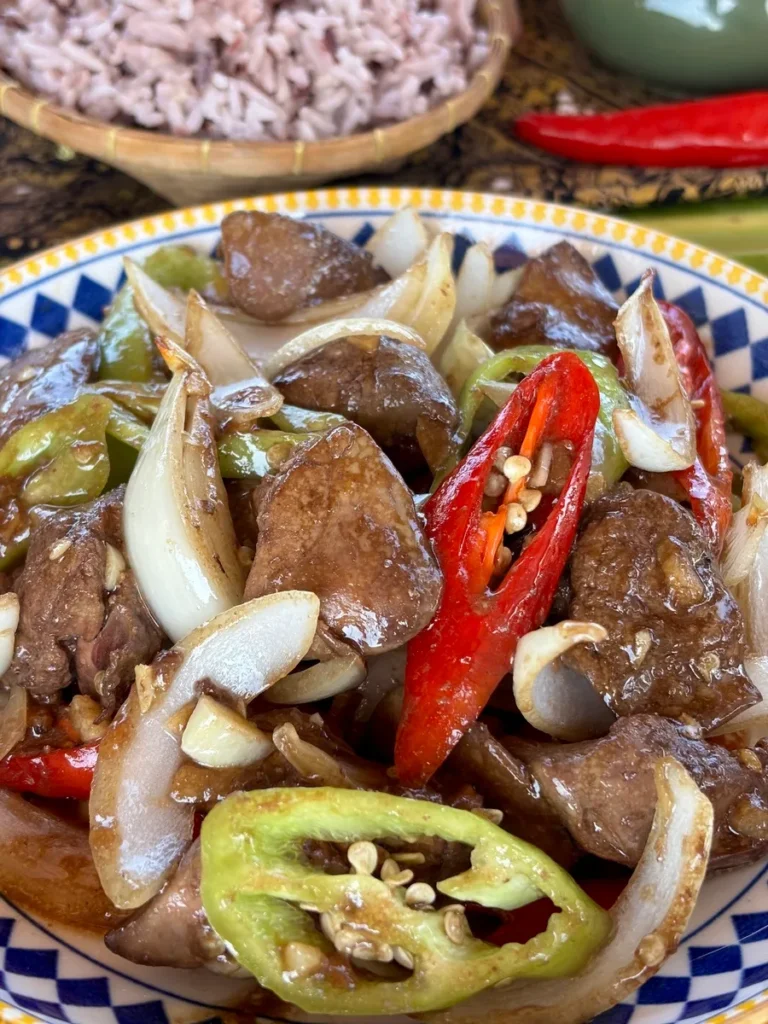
[
  {"x": 172, "y": 930},
  {"x": 391, "y": 389},
  {"x": 560, "y": 301},
  {"x": 338, "y": 520},
  {"x": 46, "y": 378},
  {"x": 506, "y": 782},
  {"x": 71, "y": 629},
  {"x": 604, "y": 792},
  {"x": 275, "y": 265},
  {"x": 642, "y": 568}
]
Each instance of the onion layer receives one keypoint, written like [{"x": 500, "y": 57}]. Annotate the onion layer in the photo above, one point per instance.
[
  {"x": 649, "y": 918},
  {"x": 658, "y": 433},
  {"x": 323, "y": 334},
  {"x": 551, "y": 697},
  {"x": 462, "y": 356},
  {"x": 320, "y": 681},
  {"x": 9, "y": 623},
  {"x": 138, "y": 833},
  {"x": 178, "y": 530},
  {"x": 241, "y": 393},
  {"x": 400, "y": 241},
  {"x": 13, "y": 718}
]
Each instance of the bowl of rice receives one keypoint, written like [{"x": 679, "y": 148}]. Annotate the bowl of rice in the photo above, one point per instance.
[{"x": 208, "y": 99}]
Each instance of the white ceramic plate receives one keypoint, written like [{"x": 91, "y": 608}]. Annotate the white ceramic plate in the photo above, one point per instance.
[{"x": 721, "y": 968}]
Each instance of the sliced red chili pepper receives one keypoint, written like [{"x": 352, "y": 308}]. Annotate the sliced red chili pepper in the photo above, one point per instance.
[
  {"x": 455, "y": 664},
  {"x": 708, "y": 482},
  {"x": 725, "y": 131},
  {"x": 64, "y": 774}
]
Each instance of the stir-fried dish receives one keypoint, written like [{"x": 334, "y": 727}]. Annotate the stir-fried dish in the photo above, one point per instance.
[{"x": 382, "y": 633}]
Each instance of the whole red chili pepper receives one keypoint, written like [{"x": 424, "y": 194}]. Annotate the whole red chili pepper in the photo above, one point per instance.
[
  {"x": 59, "y": 774},
  {"x": 725, "y": 131},
  {"x": 455, "y": 664},
  {"x": 708, "y": 482}
]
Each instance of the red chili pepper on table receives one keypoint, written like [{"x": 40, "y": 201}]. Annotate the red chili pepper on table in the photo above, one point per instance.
[
  {"x": 709, "y": 480},
  {"x": 725, "y": 131},
  {"x": 455, "y": 664},
  {"x": 61, "y": 774}
]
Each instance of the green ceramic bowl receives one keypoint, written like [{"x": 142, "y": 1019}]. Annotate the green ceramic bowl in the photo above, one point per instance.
[{"x": 708, "y": 45}]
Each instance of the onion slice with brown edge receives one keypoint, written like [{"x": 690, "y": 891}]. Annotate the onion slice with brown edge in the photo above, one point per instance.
[
  {"x": 241, "y": 393},
  {"x": 325, "y": 679},
  {"x": 47, "y": 868},
  {"x": 551, "y": 697},
  {"x": 658, "y": 433},
  {"x": 164, "y": 312},
  {"x": 9, "y": 623},
  {"x": 138, "y": 833},
  {"x": 649, "y": 918},
  {"x": 178, "y": 531},
  {"x": 474, "y": 282},
  {"x": 324, "y": 334}
]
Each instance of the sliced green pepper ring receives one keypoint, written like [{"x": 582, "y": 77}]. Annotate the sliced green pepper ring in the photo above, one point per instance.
[{"x": 255, "y": 884}]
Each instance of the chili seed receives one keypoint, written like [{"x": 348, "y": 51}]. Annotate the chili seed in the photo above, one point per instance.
[
  {"x": 409, "y": 858},
  {"x": 329, "y": 925},
  {"x": 516, "y": 467},
  {"x": 455, "y": 925},
  {"x": 501, "y": 457},
  {"x": 403, "y": 957},
  {"x": 502, "y": 559},
  {"x": 495, "y": 485},
  {"x": 516, "y": 518},
  {"x": 529, "y": 498},
  {"x": 643, "y": 641},
  {"x": 418, "y": 893},
  {"x": 363, "y": 857},
  {"x": 392, "y": 874}
]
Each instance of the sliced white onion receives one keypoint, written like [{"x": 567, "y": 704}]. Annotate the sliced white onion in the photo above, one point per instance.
[
  {"x": 551, "y": 697},
  {"x": 9, "y": 623},
  {"x": 138, "y": 833},
  {"x": 216, "y": 736},
  {"x": 462, "y": 356},
  {"x": 324, "y": 334},
  {"x": 13, "y": 718},
  {"x": 178, "y": 531},
  {"x": 163, "y": 311},
  {"x": 505, "y": 286},
  {"x": 474, "y": 283},
  {"x": 241, "y": 393},
  {"x": 650, "y": 918},
  {"x": 436, "y": 306},
  {"x": 401, "y": 240},
  {"x": 658, "y": 433},
  {"x": 498, "y": 391},
  {"x": 325, "y": 679},
  {"x": 745, "y": 558}
]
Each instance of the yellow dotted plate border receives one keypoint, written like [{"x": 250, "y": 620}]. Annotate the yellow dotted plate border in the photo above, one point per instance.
[{"x": 721, "y": 270}]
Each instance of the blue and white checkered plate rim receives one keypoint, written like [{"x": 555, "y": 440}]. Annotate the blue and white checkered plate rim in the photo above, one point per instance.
[{"x": 51, "y": 973}]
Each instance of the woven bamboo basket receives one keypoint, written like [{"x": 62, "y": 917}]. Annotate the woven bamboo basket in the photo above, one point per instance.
[{"x": 194, "y": 170}]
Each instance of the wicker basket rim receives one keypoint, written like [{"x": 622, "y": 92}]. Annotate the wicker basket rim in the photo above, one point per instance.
[{"x": 113, "y": 142}]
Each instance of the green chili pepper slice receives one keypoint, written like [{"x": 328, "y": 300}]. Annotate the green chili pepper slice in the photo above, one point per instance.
[
  {"x": 60, "y": 458},
  {"x": 256, "y": 453},
  {"x": 181, "y": 266},
  {"x": 291, "y": 418},
  {"x": 608, "y": 462},
  {"x": 254, "y": 883},
  {"x": 749, "y": 415},
  {"x": 127, "y": 352}
]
